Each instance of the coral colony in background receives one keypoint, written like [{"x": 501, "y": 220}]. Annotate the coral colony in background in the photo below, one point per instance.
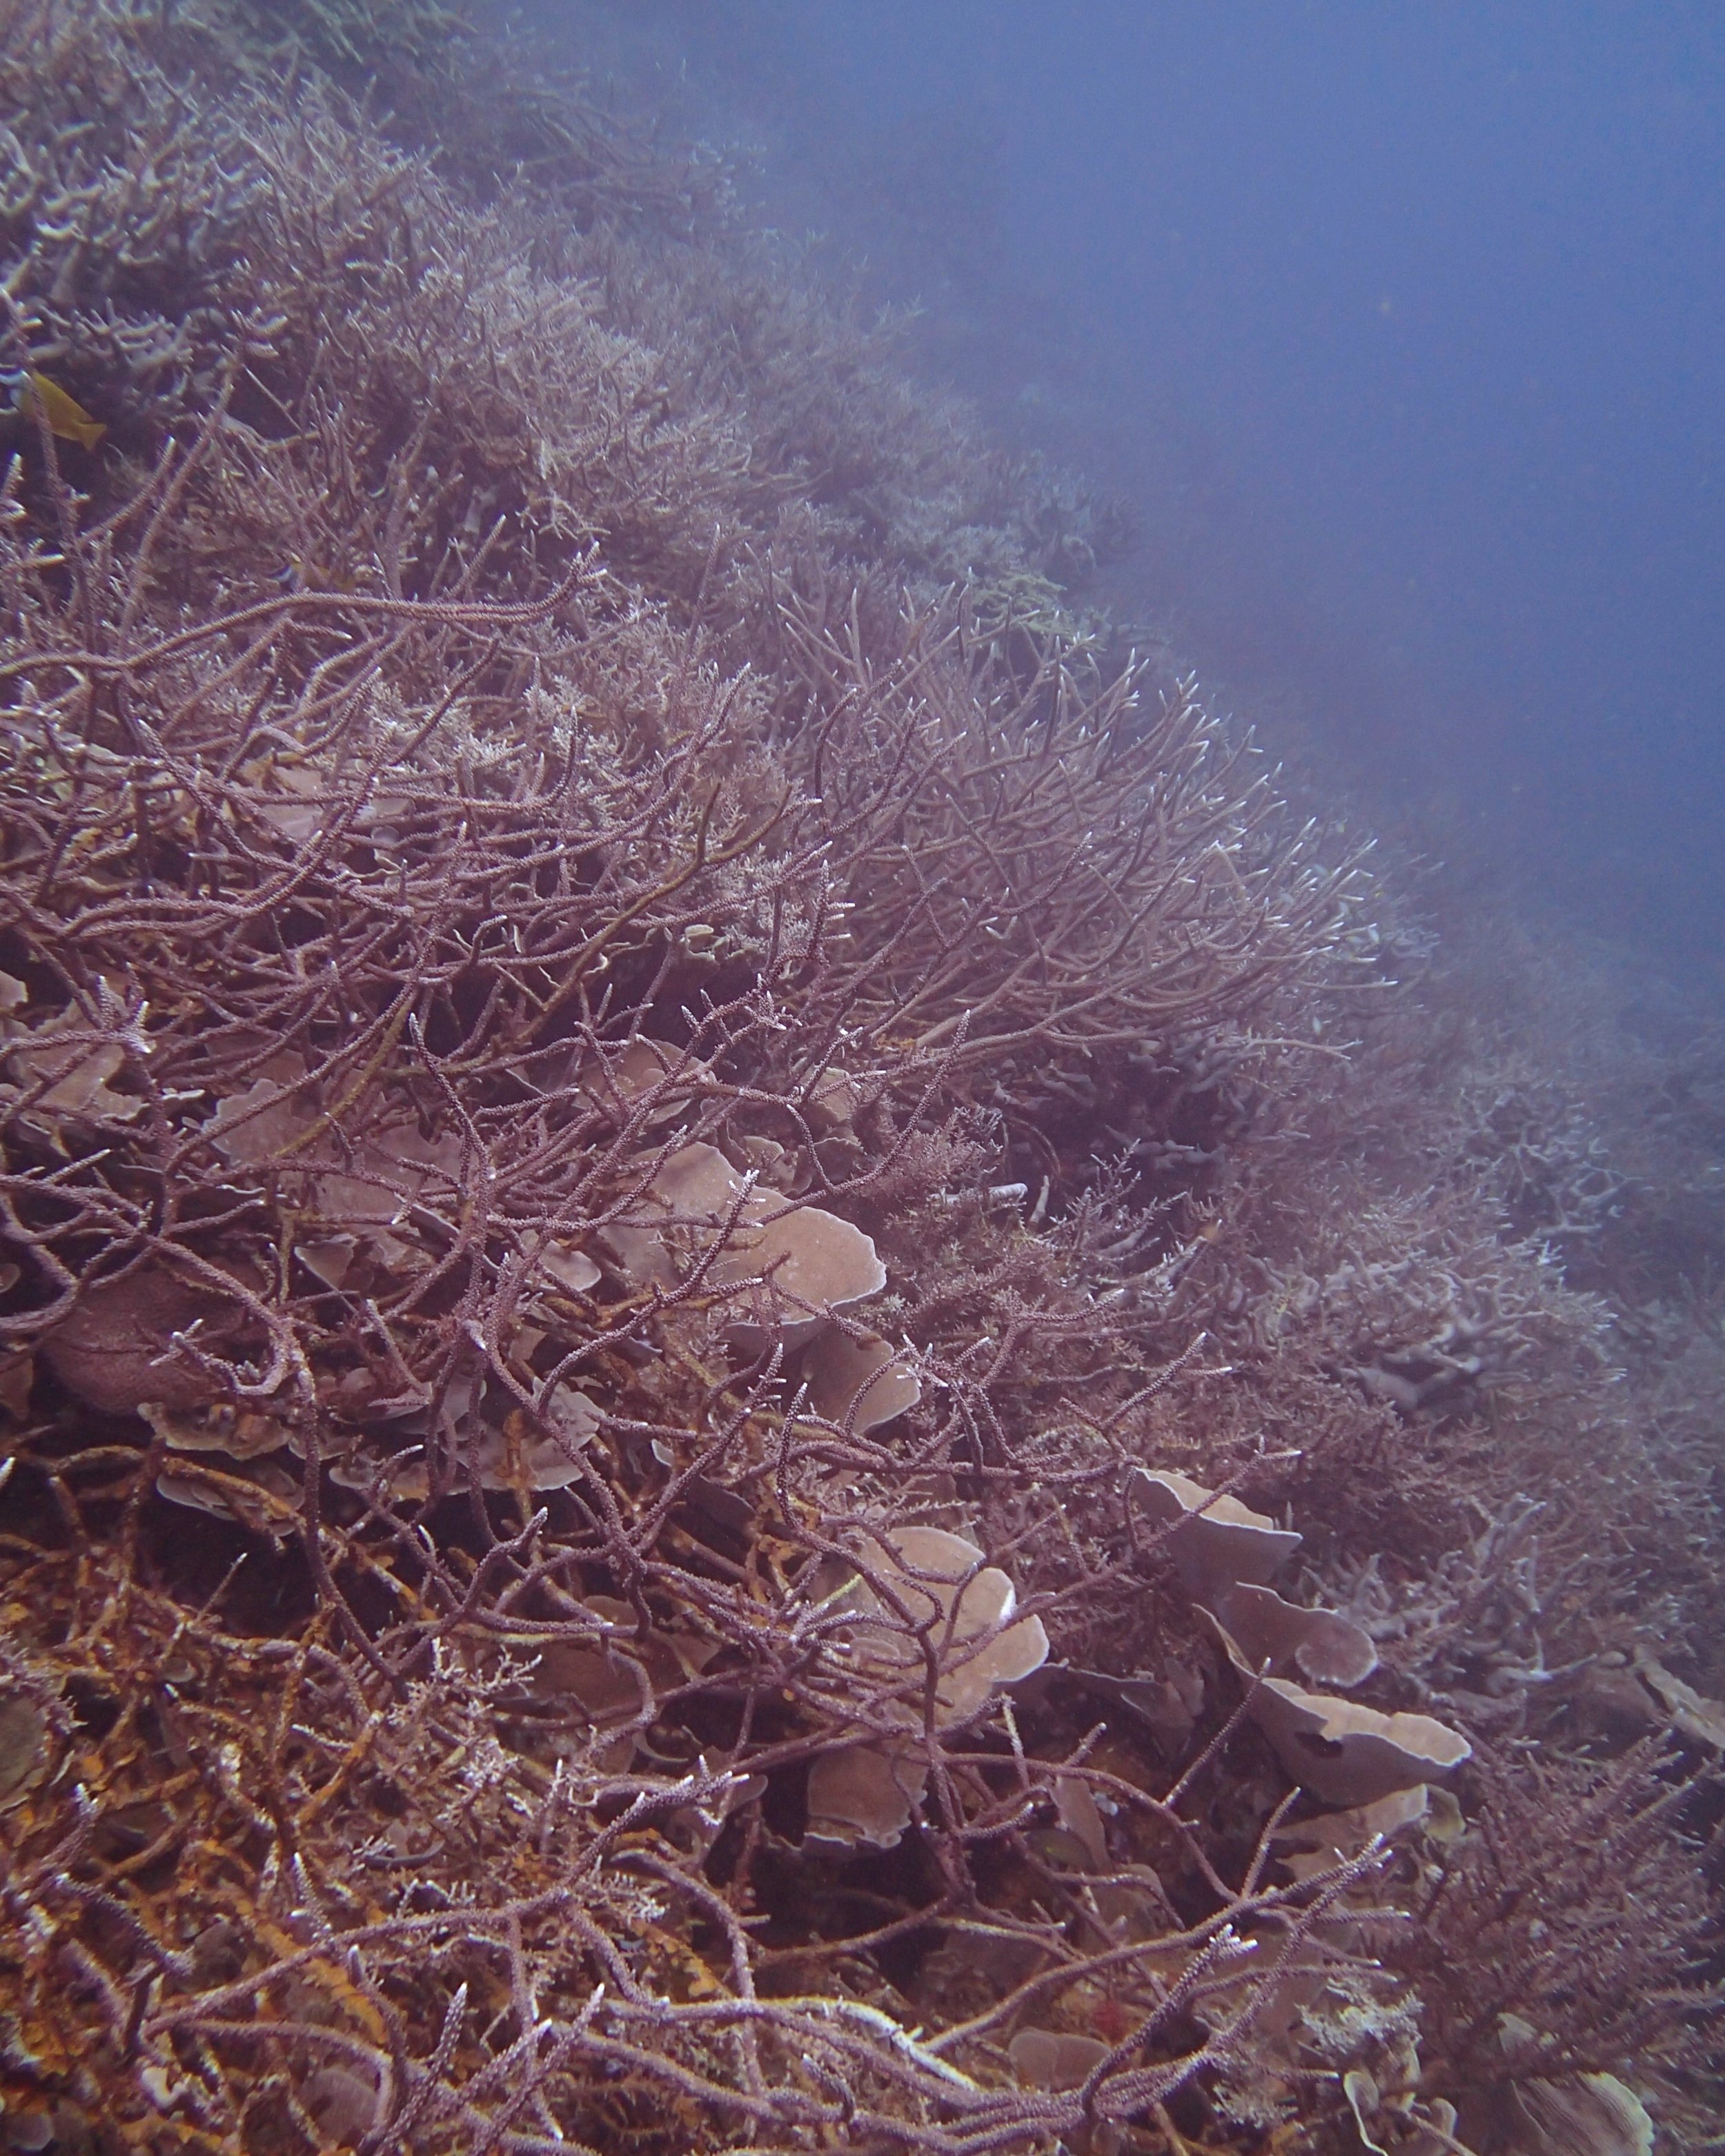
[{"x": 771, "y": 1378}]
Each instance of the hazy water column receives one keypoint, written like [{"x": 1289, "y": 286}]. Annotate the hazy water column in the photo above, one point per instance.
[{"x": 1403, "y": 326}]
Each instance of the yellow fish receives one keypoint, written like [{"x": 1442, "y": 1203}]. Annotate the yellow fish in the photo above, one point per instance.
[{"x": 65, "y": 416}]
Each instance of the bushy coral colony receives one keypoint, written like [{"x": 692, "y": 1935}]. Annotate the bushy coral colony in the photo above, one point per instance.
[{"x": 769, "y": 1376}]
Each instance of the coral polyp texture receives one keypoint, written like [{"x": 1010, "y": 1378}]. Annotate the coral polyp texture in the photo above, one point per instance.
[{"x": 694, "y": 1197}]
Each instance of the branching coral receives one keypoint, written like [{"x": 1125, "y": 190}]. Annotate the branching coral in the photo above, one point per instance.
[
  {"x": 1575, "y": 1915},
  {"x": 621, "y": 1121}
]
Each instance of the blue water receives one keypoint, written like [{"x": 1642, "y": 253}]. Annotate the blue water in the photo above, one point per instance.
[{"x": 1401, "y": 329}]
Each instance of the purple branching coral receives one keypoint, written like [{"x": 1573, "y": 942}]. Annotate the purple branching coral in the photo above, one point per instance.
[{"x": 622, "y": 1113}]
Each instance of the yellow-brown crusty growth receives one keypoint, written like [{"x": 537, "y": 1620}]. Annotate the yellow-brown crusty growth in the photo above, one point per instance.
[{"x": 663, "y": 1122}]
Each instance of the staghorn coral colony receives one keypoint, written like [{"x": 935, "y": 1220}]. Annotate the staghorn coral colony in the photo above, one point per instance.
[{"x": 769, "y": 1376}]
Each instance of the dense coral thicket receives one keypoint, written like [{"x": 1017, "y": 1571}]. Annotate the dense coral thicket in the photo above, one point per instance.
[{"x": 674, "y": 1172}]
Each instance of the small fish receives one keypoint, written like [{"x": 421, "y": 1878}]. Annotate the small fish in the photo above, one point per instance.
[
  {"x": 297, "y": 575},
  {"x": 65, "y": 416}
]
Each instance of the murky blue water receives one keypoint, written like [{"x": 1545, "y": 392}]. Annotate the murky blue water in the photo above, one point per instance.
[{"x": 1402, "y": 331}]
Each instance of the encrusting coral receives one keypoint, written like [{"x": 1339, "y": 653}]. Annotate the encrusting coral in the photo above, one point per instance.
[{"x": 671, "y": 1193}]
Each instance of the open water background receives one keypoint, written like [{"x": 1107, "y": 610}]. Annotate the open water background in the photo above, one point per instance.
[{"x": 1401, "y": 330}]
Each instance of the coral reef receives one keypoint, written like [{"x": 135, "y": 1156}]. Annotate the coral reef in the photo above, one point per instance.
[{"x": 687, "y": 1200}]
